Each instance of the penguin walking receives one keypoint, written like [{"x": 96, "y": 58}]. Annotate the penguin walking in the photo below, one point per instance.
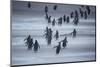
[
  {"x": 64, "y": 18},
  {"x": 60, "y": 21},
  {"x": 36, "y": 46},
  {"x": 64, "y": 42},
  {"x": 67, "y": 19},
  {"x": 55, "y": 7},
  {"x": 58, "y": 48},
  {"x": 57, "y": 35},
  {"x": 71, "y": 14},
  {"x": 46, "y": 9},
  {"x": 30, "y": 44},
  {"x": 88, "y": 10},
  {"x": 29, "y": 5},
  {"x": 74, "y": 33},
  {"x": 81, "y": 12},
  {"x": 53, "y": 22},
  {"x": 49, "y": 19},
  {"x": 85, "y": 15}
]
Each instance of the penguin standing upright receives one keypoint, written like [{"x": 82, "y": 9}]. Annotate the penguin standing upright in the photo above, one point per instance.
[
  {"x": 58, "y": 48},
  {"x": 57, "y": 35},
  {"x": 71, "y": 14},
  {"x": 53, "y": 22},
  {"x": 74, "y": 33},
  {"x": 85, "y": 15},
  {"x": 29, "y": 5},
  {"x": 28, "y": 39},
  {"x": 49, "y": 36},
  {"x": 49, "y": 19},
  {"x": 55, "y": 7},
  {"x": 36, "y": 46},
  {"x": 30, "y": 44},
  {"x": 64, "y": 42},
  {"x": 46, "y": 9},
  {"x": 81, "y": 12},
  {"x": 60, "y": 21},
  {"x": 88, "y": 10},
  {"x": 67, "y": 19},
  {"x": 64, "y": 18}
]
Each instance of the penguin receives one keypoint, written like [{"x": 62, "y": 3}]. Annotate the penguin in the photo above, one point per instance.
[
  {"x": 58, "y": 48},
  {"x": 64, "y": 42},
  {"x": 29, "y": 5},
  {"x": 55, "y": 7}
]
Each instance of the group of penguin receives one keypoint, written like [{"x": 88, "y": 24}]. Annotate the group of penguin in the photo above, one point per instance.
[
  {"x": 74, "y": 15},
  {"x": 83, "y": 12}
]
